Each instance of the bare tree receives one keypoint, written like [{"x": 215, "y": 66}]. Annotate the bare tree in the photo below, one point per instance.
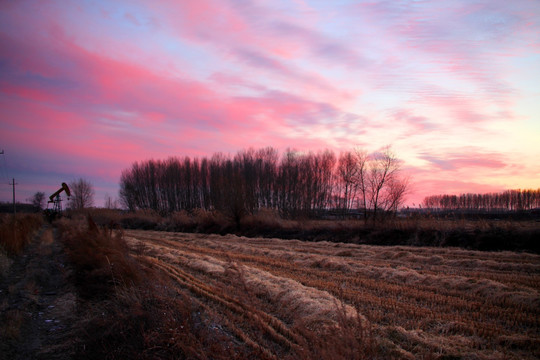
[
  {"x": 347, "y": 173},
  {"x": 38, "y": 200},
  {"x": 377, "y": 182},
  {"x": 128, "y": 189},
  {"x": 362, "y": 159},
  {"x": 110, "y": 203},
  {"x": 382, "y": 172},
  {"x": 82, "y": 194},
  {"x": 398, "y": 187}
]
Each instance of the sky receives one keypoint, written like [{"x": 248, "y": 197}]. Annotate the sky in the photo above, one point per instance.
[{"x": 89, "y": 87}]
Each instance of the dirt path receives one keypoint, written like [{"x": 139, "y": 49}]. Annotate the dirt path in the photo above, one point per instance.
[{"x": 37, "y": 302}]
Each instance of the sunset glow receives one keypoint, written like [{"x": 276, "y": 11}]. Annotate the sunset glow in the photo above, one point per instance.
[{"x": 89, "y": 87}]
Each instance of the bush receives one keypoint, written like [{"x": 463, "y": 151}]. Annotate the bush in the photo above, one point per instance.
[
  {"x": 141, "y": 219},
  {"x": 211, "y": 221}
]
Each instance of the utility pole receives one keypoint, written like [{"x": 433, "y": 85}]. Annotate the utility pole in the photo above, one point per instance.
[{"x": 13, "y": 183}]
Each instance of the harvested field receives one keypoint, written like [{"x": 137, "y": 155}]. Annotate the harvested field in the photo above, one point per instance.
[{"x": 412, "y": 302}]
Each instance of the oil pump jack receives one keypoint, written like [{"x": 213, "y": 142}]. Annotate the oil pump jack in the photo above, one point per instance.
[{"x": 56, "y": 200}]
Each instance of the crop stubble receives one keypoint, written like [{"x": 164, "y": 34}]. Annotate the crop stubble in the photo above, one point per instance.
[{"x": 415, "y": 300}]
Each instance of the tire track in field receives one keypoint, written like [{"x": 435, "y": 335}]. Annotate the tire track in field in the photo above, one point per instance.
[{"x": 274, "y": 327}]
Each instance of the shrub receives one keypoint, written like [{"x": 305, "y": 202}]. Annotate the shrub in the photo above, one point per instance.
[
  {"x": 211, "y": 221},
  {"x": 178, "y": 221},
  {"x": 263, "y": 221},
  {"x": 141, "y": 219}
]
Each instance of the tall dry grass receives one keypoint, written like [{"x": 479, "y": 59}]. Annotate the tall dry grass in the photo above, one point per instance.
[
  {"x": 100, "y": 257},
  {"x": 17, "y": 231}
]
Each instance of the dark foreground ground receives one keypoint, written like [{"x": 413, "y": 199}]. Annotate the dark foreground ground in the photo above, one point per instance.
[{"x": 38, "y": 302}]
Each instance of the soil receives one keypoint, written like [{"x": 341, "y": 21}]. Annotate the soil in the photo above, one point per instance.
[{"x": 38, "y": 302}]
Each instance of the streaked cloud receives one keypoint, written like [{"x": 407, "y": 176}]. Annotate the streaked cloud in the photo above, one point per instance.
[{"x": 88, "y": 88}]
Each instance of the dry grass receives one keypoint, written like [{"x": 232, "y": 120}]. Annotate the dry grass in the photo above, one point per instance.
[
  {"x": 17, "y": 231},
  {"x": 10, "y": 328},
  {"x": 127, "y": 310},
  {"x": 478, "y": 234},
  {"x": 5, "y": 263},
  {"x": 100, "y": 257},
  {"x": 151, "y": 294},
  {"x": 419, "y": 302}
]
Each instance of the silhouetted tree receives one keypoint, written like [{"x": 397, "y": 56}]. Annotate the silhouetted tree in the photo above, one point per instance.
[
  {"x": 509, "y": 200},
  {"x": 110, "y": 203},
  {"x": 38, "y": 200},
  {"x": 82, "y": 194},
  {"x": 383, "y": 169},
  {"x": 347, "y": 181}
]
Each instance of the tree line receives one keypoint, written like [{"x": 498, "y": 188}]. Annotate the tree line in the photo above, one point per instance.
[
  {"x": 295, "y": 183},
  {"x": 509, "y": 200}
]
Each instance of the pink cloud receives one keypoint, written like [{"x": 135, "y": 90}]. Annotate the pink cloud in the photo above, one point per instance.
[
  {"x": 160, "y": 106},
  {"x": 259, "y": 37},
  {"x": 460, "y": 109},
  {"x": 415, "y": 124},
  {"x": 465, "y": 160},
  {"x": 469, "y": 42}
]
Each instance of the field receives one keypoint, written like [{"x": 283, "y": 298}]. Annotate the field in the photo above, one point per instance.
[
  {"x": 288, "y": 298},
  {"x": 80, "y": 290}
]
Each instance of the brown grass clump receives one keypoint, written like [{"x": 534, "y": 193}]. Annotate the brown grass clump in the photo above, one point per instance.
[
  {"x": 181, "y": 220},
  {"x": 351, "y": 339},
  {"x": 140, "y": 219},
  {"x": 100, "y": 258},
  {"x": 314, "y": 307},
  {"x": 17, "y": 231},
  {"x": 101, "y": 216},
  {"x": 264, "y": 219}
]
